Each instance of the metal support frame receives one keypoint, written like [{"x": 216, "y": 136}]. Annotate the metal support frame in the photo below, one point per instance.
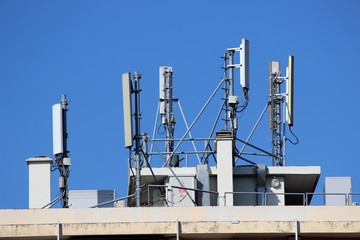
[
  {"x": 276, "y": 99},
  {"x": 168, "y": 118}
]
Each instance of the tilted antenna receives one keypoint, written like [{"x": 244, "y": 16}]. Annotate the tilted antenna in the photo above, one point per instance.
[
  {"x": 166, "y": 110},
  {"x": 277, "y": 104},
  {"x": 290, "y": 92},
  {"x": 60, "y": 151},
  {"x": 127, "y": 110}
]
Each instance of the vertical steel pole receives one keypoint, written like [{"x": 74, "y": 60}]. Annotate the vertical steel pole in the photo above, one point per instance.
[
  {"x": 64, "y": 172},
  {"x": 169, "y": 125},
  {"x": 226, "y": 91},
  {"x": 137, "y": 77}
]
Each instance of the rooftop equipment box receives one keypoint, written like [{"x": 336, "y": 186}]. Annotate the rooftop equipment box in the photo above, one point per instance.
[
  {"x": 337, "y": 191},
  {"x": 90, "y": 198}
]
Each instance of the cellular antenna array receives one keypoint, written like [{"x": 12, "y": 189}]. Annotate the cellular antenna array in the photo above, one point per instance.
[{"x": 172, "y": 153}]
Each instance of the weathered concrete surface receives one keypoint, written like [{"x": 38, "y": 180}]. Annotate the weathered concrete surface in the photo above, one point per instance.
[{"x": 188, "y": 222}]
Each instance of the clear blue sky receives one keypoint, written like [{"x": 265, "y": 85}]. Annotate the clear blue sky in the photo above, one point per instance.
[{"x": 81, "y": 48}]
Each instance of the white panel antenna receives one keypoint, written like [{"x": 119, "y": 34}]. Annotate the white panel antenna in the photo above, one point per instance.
[
  {"x": 58, "y": 136},
  {"x": 244, "y": 64},
  {"x": 162, "y": 87},
  {"x": 127, "y": 109},
  {"x": 290, "y": 92}
]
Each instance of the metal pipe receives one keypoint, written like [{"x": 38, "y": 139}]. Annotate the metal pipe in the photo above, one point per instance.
[
  {"x": 226, "y": 91},
  {"x": 213, "y": 128},
  {"x": 154, "y": 131},
  {"x": 137, "y": 78},
  {"x": 187, "y": 126},
  {"x": 185, "y": 139},
  {"x": 253, "y": 130},
  {"x": 296, "y": 229},
  {"x": 177, "y": 229},
  {"x": 261, "y": 150},
  {"x": 231, "y": 72},
  {"x": 112, "y": 201},
  {"x": 187, "y": 152},
  {"x": 59, "y": 231},
  {"x": 196, "y": 118}
]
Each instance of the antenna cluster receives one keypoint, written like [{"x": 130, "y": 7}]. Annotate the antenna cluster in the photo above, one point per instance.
[{"x": 280, "y": 105}]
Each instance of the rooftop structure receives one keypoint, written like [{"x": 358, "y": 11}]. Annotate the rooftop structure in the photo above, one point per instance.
[{"x": 191, "y": 187}]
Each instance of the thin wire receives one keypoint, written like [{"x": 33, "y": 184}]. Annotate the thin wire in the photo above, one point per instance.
[
  {"x": 297, "y": 139},
  {"x": 133, "y": 174}
]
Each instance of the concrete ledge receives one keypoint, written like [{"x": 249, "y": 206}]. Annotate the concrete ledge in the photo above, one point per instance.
[
  {"x": 189, "y": 222},
  {"x": 186, "y": 229}
]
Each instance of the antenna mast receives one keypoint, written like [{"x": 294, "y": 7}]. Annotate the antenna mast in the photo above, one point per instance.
[
  {"x": 61, "y": 152},
  {"x": 231, "y": 100},
  {"x": 280, "y": 103},
  {"x": 138, "y": 137},
  {"x": 275, "y": 120},
  {"x": 166, "y": 110}
]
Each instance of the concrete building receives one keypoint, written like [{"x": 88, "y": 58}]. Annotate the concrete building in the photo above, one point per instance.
[{"x": 177, "y": 201}]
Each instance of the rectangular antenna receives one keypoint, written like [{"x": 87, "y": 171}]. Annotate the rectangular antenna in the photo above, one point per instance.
[
  {"x": 290, "y": 92},
  {"x": 127, "y": 109},
  {"x": 58, "y": 135},
  {"x": 245, "y": 63}
]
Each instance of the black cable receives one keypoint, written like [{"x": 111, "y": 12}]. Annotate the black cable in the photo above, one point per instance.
[
  {"x": 297, "y": 139},
  {"x": 237, "y": 154},
  {"x": 158, "y": 130}
]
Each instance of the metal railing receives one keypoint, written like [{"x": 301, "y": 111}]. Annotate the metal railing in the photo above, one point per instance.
[
  {"x": 177, "y": 187},
  {"x": 113, "y": 201},
  {"x": 265, "y": 197},
  {"x": 246, "y": 193},
  {"x": 327, "y": 194},
  {"x": 285, "y": 194}
]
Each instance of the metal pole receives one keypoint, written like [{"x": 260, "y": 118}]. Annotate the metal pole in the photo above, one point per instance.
[
  {"x": 64, "y": 168},
  {"x": 195, "y": 120},
  {"x": 231, "y": 72},
  {"x": 296, "y": 229},
  {"x": 170, "y": 120},
  {"x": 187, "y": 126},
  {"x": 226, "y": 92},
  {"x": 137, "y": 90},
  {"x": 154, "y": 131},
  {"x": 253, "y": 130}
]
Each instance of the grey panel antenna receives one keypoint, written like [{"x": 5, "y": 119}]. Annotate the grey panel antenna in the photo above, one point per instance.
[
  {"x": 244, "y": 62},
  {"x": 290, "y": 92},
  {"x": 58, "y": 136},
  {"x": 127, "y": 109}
]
